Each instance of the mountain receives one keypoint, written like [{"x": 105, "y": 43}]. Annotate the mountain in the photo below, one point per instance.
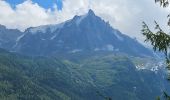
[
  {"x": 8, "y": 37},
  {"x": 41, "y": 78},
  {"x": 87, "y": 33},
  {"x": 87, "y": 60}
]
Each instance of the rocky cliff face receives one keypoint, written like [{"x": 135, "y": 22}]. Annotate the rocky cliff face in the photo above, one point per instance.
[{"x": 87, "y": 33}]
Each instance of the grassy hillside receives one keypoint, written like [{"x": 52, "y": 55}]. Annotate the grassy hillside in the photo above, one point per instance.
[
  {"x": 29, "y": 79},
  {"x": 26, "y": 78}
]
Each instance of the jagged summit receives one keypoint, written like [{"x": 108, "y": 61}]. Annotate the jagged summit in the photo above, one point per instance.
[
  {"x": 88, "y": 17},
  {"x": 91, "y": 12},
  {"x": 86, "y": 33}
]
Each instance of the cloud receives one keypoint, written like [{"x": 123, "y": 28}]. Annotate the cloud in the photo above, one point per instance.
[
  {"x": 128, "y": 15},
  {"x": 125, "y": 15}
]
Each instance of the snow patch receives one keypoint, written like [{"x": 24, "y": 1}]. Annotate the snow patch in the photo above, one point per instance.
[
  {"x": 76, "y": 50},
  {"x": 43, "y": 39},
  {"x": 140, "y": 67},
  {"x": 80, "y": 19},
  {"x": 116, "y": 33},
  {"x": 44, "y": 28},
  {"x": 20, "y": 37},
  {"x": 110, "y": 47},
  {"x": 150, "y": 66},
  {"x": 155, "y": 69},
  {"x": 97, "y": 49},
  {"x": 53, "y": 37}
]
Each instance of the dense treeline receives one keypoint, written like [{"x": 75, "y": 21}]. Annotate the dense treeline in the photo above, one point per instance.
[{"x": 40, "y": 78}]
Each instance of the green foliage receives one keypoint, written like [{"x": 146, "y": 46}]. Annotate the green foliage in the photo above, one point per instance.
[
  {"x": 163, "y": 3},
  {"x": 18, "y": 80},
  {"x": 159, "y": 40},
  {"x": 40, "y": 78}
]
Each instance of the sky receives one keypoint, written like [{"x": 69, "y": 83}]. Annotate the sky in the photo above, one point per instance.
[
  {"x": 125, "y": 15},
  {"x": 43, "y": 3}
]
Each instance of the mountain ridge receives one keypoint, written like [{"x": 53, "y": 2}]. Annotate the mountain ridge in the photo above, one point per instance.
[
  {"x": 86, "y": 33},
  {"x": 8, "y": 37},
  {"x": 87, "y": 55}
]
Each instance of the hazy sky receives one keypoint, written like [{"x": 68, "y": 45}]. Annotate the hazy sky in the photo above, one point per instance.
[{"x": 125, "y": 15}]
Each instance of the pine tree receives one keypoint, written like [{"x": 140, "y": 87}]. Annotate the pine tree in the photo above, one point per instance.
[{"x": 159, "y": 40}]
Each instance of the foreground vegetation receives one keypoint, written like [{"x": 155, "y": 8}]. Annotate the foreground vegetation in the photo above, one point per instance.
[{"x": 26, "y": 78}]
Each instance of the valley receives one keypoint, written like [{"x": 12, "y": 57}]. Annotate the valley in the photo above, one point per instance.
[{"x": 81, "y": 59}]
